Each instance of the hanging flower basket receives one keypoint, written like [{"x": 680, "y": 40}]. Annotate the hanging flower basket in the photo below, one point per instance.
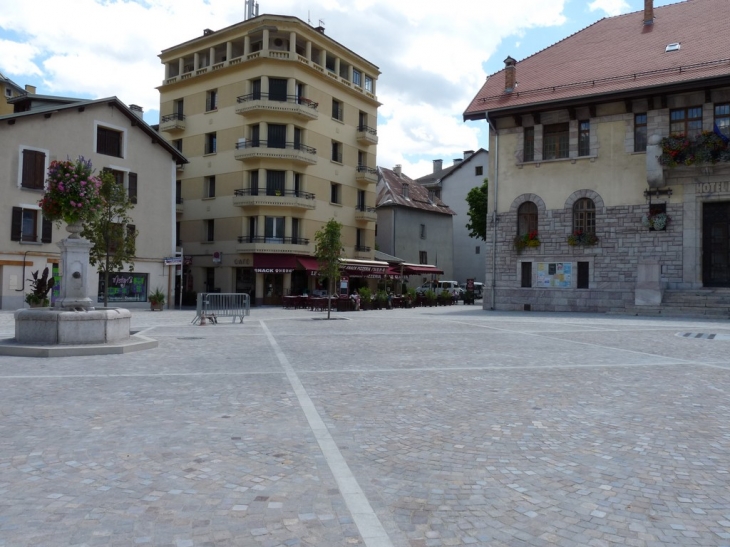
[
  {"x": 707, "y": 148},
  {"x": 581, "y": 238},
  {"x": 72, "y": 192},
  {"x": 657, "y": 222}
]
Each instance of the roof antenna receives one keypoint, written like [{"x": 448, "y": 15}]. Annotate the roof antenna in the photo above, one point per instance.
[{"x": 252, "y": 9}]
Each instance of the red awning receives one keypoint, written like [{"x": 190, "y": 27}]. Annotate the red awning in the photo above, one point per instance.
[
  {"x": 274, "y": 263},
  {"x": 421, "y": 269},
  {"x": 393, "y": 271},
  {"x": 360, "y": 268},
  {"x": 309, "y": 264}
]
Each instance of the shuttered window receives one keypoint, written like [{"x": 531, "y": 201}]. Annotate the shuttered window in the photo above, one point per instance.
[
  {"x": 24, "y": 225},
  {"x": 34, "y": 169},
  {"x": 47, "y": 231},
  {"x": 108, "y": 142}
]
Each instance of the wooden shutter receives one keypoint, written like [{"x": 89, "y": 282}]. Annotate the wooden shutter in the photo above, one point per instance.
[
  {"x": 47, "y": 231},
  {"x": 132, "y": 191},
  {"x": 34, "y": 166},
  {"x": 16, "y": 227}
]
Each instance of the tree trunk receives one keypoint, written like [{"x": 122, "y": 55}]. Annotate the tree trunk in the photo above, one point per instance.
[{"x": 329, "y": 299}]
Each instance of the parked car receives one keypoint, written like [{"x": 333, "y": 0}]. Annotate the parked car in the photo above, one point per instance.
[
  {"x": 478, "y": 289},
  {"x": 430, "y": 285}
]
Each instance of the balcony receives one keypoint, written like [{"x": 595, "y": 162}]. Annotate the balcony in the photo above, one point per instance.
[
  {"x": 366, "y": 175},
  {"x": 178, "y": 204},
  {"x": 248, "y": 197},
  {"x": 367, "y": 214},
  {"x": 181, "y": 167},
  {"x": 363, "y": 252},
  {"x": 293, "y": 151},
  {"x": 300, "y": 107},
  {"x": 281, "y": 245},
  {"x": 367, "y": 135},
  {"x": 171, "y": 123}
]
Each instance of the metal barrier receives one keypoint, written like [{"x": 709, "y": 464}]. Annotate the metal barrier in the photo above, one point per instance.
[{"x": 212, "y": 306}]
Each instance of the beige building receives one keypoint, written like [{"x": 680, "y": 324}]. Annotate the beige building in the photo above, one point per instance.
[
  {"x": 584, "y": 215},
  {"x": 9, "y": 90},
  {"x": 112, "y": 136},
  {"x": 279, "y": 124}
]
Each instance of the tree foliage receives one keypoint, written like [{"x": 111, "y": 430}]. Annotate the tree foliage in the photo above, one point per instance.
[
  {"x": 328, "y": 249},
  {"x": 477, "y": 200},
  {"x": 111, "y": 233}
]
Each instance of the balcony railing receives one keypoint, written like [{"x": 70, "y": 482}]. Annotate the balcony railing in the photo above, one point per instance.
[
  {"x": 368, "y": 175},
  {"x": 364, "y": 209},
  {"x": 172, "y": 122},
  {"x": 274, "y": 240},
  {"x": 293, "y": 104},
  {"x": 362, "y": 249},
  {"x": 273, "y": 193},
  {"x": 294, "y": 151},
  {"x": 178, "y": 200},
  {"x": 367, "y": 135}
]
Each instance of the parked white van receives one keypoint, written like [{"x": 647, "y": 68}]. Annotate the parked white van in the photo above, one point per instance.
[{"x": 451, "y": 286}]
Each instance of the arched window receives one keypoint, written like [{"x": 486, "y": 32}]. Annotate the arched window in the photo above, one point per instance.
[
  {"x": 584, "y": 216},
  {"x": 526, "y": 218}
]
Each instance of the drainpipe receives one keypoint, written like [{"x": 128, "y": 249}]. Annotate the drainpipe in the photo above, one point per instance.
[{"x": 494, "y": 232}]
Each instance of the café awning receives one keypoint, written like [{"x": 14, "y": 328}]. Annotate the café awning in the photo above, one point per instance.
[
  {"x": 421, "y": 269},
  {"x": 354, "y": 267}
]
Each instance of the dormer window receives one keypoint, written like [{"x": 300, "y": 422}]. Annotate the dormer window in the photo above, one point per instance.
[
  {"x": 432, "y": 195},
  {"x": 672, "y": 47},
  {"x": 405, "y": 191}
]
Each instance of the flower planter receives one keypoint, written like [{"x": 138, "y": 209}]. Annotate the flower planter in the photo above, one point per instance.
[{"x": 157, "y": 306}]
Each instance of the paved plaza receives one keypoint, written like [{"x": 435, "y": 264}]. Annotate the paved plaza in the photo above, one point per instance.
[{"x": 403, "y": 428}]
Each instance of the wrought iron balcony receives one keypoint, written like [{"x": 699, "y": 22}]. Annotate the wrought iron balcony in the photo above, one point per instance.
[
  {"x": 263, "y": 244},
  {"x": 293, "y": 104},
  {"x": 365, "y": 213},
  {"x": 367, "y": 135},
  {"x": 258, "y": 149},
  {"x": 256, "y": 197},
  {"x": 366, "y": 175},
  {"x": 172, "y": 122}
]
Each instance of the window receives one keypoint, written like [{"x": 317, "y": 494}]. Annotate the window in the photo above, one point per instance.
[
  {"x": 210, "y": 143},
  {"x": 179, "y": 108},
  {"x": 477, "y": 250},
  {"x": 686, "y": 121},
  {"x": 132, "y": 187},
  {"x": 406, "y": 191},
  {"x": 368, "y": 84},
  {"x": 34, "y": 169},
  {"x": 24, "y": 226},
  {"x": 209, "y": 279},
  {"x": 178, "y": 191},
  {"x": 640, "y": 132},
  {"x": 108, "y": 141},
  {"x": 277, "y": 89},
  {"x": 356, "y": 77},
  {"x": 335, "y": 190},
  {"x": 555, "y": 141},
  {"x": 295, "y": 231},
  {"x": 178, "y": 243},
  {"x": 722, "y": 118},
  {"x": 584, "y": 216},
  {"x": 529, "y": 146},
  {"x": 337, "y": 110},
  {"x": 209, "y": 184},
  {"x": 361, "y": 200},
  {"x": 362, "y": 158},
  {"x": 432, "y": 195},
  {"x": 358, "y": 241},
  {"x": 478, "y": 170},
  {"x": 277, "y": 136},
  {"x": 8, "y": 92},
  {"x": 583, "y": 274},
  {"x": 275, "y": 182},
  {"x": 362, "y": 120},
  {"x": 274, "y": 229},
  {"x": 422, "y": 231},
  {"x": 254, "y": 182},
  {"x": 584, "y": 138},
  {"x": 297, "y": 184},
  {"x": 177, "y": 143},
  {"x": 526, "y": 218},
  {"x": 526, "y": 274},
  {"x": 211, "y": 100},
  {"x": 209, "y": 229},
  {"x": 256, "y": 90},
  {"x": 337, "y": 151},
  {"x": 422, "y": 257}
]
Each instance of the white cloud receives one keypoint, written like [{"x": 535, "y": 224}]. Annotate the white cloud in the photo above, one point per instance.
[
  {"x": 431, "y": 60},
  {"x": 611, "y": 7}
]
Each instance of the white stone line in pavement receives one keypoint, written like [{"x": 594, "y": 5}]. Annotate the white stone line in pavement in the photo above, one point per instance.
[
  {"x": 367, "y": 522},
  {"x": 147, "y": 375}
]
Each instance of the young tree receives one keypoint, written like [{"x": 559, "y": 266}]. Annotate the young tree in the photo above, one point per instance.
[
  {"x": 328, "y": 249},
  {"x": 111, "y": 232},
  {"x": 477, "y": 200}
]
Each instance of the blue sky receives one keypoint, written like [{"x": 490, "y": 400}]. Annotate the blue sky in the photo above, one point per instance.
[{"x": 434, "y": 55}]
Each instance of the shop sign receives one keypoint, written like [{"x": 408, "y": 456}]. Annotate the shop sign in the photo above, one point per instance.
[
  {"x": 273, "y": 270},
  {"x": 172, "y": 260},
  {"x": 242, "y": 262}
]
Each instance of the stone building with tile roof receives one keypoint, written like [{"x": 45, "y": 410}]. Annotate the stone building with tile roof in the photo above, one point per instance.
[
  {"x": 578, "y": 196},
  {"x": 413, "y": 223}
]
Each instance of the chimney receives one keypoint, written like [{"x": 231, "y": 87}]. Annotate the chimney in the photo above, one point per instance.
[
  {"x": 468, "y": 154},
  {"x": 648, "y": 12},
  {"x": 319, "y": 29},
  {"x": 207, "y": 32},
  {"x": 510, "y": 74},
  {"x": 438, "y": 165},
  {"x": 30, "y": 89},
  {"x": 397, "y": 170},
  {"x": 137, "y": 110},
  {"x": 457, "y": 161}
]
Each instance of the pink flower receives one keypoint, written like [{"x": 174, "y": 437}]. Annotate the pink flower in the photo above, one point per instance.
[
  {"x": 73, "y": 203},
  {"x": 83, "y": 183},
  {"x": 79, "y": 206}
]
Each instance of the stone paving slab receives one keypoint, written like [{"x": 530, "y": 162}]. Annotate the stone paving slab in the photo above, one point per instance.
[{"x": 456, "y": 426}]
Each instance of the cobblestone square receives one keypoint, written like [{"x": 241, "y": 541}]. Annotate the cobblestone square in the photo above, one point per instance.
[{"x": 395, "y": 428}]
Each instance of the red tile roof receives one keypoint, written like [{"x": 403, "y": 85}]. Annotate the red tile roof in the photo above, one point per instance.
[
  {"x": 390, "y": 192},
  {"x": 619, "y": 54}
]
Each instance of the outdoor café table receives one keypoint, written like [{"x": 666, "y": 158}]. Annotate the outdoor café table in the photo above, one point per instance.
[{"x": 290, "y": 301}]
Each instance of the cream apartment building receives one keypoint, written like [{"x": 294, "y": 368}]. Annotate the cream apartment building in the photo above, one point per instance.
[
  {"x": 279, "y": 124},
  {"x": 113, "y": 136}
]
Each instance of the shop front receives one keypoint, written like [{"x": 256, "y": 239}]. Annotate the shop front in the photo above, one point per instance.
[{"x": 273, "y": 277}]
